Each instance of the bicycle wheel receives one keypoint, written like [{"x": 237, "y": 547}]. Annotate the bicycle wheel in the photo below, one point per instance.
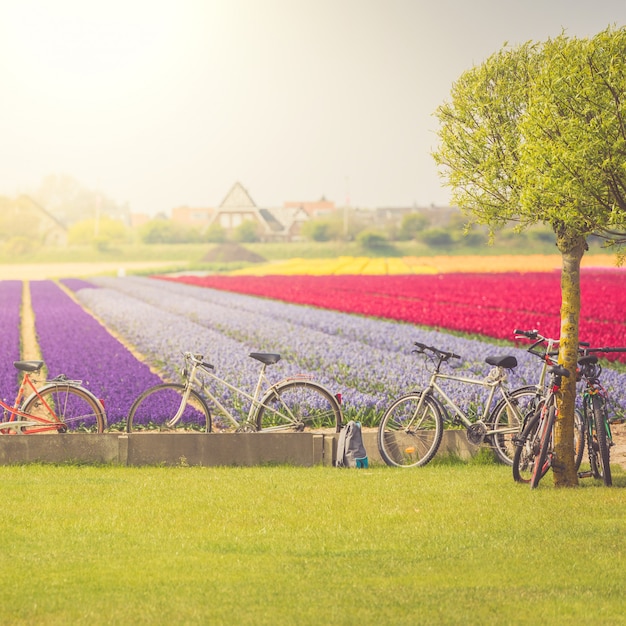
[
  {"x": 508, "y": 420},
  {"x": 579, "y": 438},
  {"x": 527, "y": 447},
  {"x": 599, "y": 454},
  {"x": 409, "y": 435},
  {"x": 298, "y": 405},
  {"x": 65, "y": 407},
  {"x": 156, "y": 408},
  {"x": 544, "y": 459}
]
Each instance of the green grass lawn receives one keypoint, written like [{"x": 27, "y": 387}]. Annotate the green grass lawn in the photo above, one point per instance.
[{"x": 448, "y": 543}]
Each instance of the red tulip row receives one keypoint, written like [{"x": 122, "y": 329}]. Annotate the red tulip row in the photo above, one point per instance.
[{"x": 485, "y": 304}]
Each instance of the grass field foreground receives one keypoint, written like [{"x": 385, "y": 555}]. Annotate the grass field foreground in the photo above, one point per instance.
[{"x": 448, "y": 543}]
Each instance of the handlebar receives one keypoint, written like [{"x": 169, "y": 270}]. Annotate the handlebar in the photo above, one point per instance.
[
  {"x": 604, "y": 349},
  {"x": 538, "y": 338},
  {"x": 442, "y": 355},
  {"x": 198, "y": 360},
  {"x": 529, "y": 334}
]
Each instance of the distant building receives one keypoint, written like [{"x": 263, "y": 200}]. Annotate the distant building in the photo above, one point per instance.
[
  {"x": 199, "y": 218},
  {"x": 436, "y": 215},
  {"x": 139, "y": 219},
  {"x": 49, "y": 230},
  {"x": 274, "y": 224},
  {"x": 313, "y": 209}
]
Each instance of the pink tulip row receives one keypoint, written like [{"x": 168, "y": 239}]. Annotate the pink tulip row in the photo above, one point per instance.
[{"x": 485, "y": 304}]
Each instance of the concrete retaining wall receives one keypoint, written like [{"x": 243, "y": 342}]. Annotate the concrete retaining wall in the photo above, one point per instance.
[{"x": 212, "y": 449}]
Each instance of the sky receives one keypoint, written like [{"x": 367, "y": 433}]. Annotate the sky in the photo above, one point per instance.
[{"x": 166, "y": 103}]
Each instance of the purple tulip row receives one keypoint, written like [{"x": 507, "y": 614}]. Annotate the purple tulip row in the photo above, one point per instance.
[
  {"x": 74, "y": 343},
  {"x": 10, "y": 309}
]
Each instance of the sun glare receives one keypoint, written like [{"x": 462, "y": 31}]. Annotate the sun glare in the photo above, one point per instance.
[{"x": 72, "y": 46}]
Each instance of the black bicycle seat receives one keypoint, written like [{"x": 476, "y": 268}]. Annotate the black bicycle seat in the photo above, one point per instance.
[
  {"x": 28, "y": 366},
  {"x": 507, "y": 362},
  {"x": 590, "y": 358},
  {"x": 265, "y": 357}
]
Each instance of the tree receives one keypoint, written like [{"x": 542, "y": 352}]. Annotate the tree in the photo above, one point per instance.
[
  {"x": 70, "y": 202},
  {"x": 215, "y": 234},
  {"x": 375, "y": 242},
  {"x": 412, "y": 225},
  {"x": 247, "y": 232},
  {"x": 537, "y": 134},
  {"x": 322, "y": 229},
  {"x": 436, "y": 238},
  {"x": 101, "y": 233},
  {"x": 166, "y": 231}
]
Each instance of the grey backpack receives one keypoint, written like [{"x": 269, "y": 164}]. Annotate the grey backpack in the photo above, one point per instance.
[{"x": 350, "y": 449}]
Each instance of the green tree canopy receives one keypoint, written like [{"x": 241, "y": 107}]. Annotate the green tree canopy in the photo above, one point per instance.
[{"x": 537, "y": 133}]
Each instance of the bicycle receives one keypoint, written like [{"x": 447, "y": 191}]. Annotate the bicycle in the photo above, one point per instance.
[
  {"x": 533, "y": 453},
  {"x": 293, "y": 403},
  {"x": 61, "y": 405},
  {"x": 411, "y": 429},
  {"x": 544, "y": 348},
  {"x": 597, "y": 424}
]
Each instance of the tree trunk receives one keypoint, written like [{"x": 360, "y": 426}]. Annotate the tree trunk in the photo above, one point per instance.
[{"x": 572, "y": 248}]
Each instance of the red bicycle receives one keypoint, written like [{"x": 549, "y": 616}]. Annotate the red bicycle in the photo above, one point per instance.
[{"x": 60, "y": 405}]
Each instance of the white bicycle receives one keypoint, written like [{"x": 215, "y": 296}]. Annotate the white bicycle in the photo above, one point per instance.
[{"x": 296, "y": 403}]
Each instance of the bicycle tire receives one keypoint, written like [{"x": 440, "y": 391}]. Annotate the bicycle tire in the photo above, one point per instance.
[
  {"x": 525, "y": 400},
  {"x": 298, "y": 405},
  {"x": 600, "y": 458},
  {"x": 579, "y": 438},
  {"x": 400, "y": 446},
  {"x": 544, "y": 459},
  {"x": 157, "y": 406},
  {"x": 73, "y": 408},
  {"x": 526, "y": 450}
]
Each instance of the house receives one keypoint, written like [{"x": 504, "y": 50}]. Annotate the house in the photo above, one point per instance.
[
  {"x": 274, "y": 224},
  {"x": 313, "y": 209},
  {"x": 198, "y": 218},
  {"x": 24, "y": 214}
]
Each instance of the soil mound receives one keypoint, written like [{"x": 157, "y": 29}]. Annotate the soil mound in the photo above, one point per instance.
[{"x": 229, "y": 252}]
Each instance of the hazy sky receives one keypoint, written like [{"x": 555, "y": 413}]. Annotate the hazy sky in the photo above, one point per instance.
[{"x": 162, "y": 103}]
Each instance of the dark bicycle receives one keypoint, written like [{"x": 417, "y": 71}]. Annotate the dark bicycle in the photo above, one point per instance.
[{"x": 597, "y": 424}]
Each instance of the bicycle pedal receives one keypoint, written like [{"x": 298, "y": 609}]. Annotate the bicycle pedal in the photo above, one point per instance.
[{"x": 585, "y": 474}]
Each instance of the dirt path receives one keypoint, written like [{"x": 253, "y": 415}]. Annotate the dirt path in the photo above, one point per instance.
[{"x": 43, "y": 271}]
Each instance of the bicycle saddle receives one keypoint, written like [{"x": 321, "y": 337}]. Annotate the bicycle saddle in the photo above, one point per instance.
[
  {"x": 265, "y": 357},
  {"x": 507, "y": 362},
  {"x": 590, "y": 358},
  {"x": 28, "y": 366},
  {"x": 559, "y": 370}
]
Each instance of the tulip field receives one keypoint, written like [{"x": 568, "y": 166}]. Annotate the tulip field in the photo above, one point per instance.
[
  {"x": 354, "y": 334},
  {"x": 484, "y": 304}
]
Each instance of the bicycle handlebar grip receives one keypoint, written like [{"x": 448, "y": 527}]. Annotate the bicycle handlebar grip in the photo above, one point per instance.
[
  {"x": 608, "y": 350},
  {"x": 530, "y": 334}
]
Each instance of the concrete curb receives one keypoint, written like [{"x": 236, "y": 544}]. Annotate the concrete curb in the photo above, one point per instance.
[{"x": 214, "y": 449}]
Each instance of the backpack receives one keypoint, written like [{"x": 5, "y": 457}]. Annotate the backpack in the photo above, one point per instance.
[{"x": 350, "y": 449}]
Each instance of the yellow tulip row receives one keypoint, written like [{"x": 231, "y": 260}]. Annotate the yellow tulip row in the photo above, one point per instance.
[{"x": 420, "y": 265}]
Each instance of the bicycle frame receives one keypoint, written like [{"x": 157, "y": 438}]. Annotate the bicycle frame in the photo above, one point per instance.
[
  {"x": 263, "y": 386},
  {"x": 494, "y": 382},
  {"x": 19, "y": 420}
]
